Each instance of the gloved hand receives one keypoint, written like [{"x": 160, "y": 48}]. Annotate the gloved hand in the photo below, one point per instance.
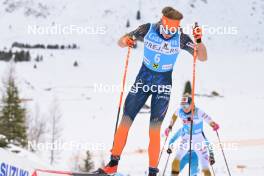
[
  {"x": 169, "y": 151},
  {"x": 211, "y": 159},
  {"x": 215, "y": 126},
  {"x": 197, "y": 33},
  {"x": 167, "y": 131},
  {"x": 129, "y": 41}
]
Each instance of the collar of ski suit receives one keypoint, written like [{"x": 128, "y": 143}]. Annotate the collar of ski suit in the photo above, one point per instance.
[{"x": 157, "y": 27}]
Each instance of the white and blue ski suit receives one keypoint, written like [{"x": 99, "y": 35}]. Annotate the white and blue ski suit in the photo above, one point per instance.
[
  {"x": 199, "y": 144},
  {"x": 185, "y": 160}
]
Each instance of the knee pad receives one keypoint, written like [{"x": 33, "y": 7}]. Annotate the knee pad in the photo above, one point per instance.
[
  {"x": 206, "y": 172},
  {"x": 175, "y": 166}
]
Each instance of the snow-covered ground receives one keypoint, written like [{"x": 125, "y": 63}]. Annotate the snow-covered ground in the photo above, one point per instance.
[{"x": 234, "y": 70}]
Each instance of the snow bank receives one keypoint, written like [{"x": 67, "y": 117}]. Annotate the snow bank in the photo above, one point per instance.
[
  {"x": 22, "y": 163},
  {"x": 12, "y": 164}
]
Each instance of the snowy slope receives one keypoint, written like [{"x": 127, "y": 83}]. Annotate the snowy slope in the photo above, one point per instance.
[{"x": 233, "y": 69}]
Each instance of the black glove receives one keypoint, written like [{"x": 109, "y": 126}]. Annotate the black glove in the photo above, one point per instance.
[
  {"x": 211, "y": 159},
  {"x": 169, "y": 151}
]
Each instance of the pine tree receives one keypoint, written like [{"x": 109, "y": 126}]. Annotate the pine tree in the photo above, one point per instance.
[
  {"x": 138, "y": 15},
  {"x": 88, "y": 163},
  {"x": 128, "y": 24},
  {"x": 27, "y": 56},
  {"x": 187, "y": 88},
  {"x": 75, "y": 64},
  {"x": 13, "y": 116}
]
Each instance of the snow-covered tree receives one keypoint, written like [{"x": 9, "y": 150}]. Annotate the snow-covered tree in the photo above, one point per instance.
[
  {"x": 13, "y": 115},
  {"x": 187, "y": 88},
  {"x": 88, "y": 163}
]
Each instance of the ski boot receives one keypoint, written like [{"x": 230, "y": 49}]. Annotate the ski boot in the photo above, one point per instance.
[
  {"x": 153, "y": 171},
  {"x": 174, "y": 173},
  {"x": 111, "y": 167}
]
